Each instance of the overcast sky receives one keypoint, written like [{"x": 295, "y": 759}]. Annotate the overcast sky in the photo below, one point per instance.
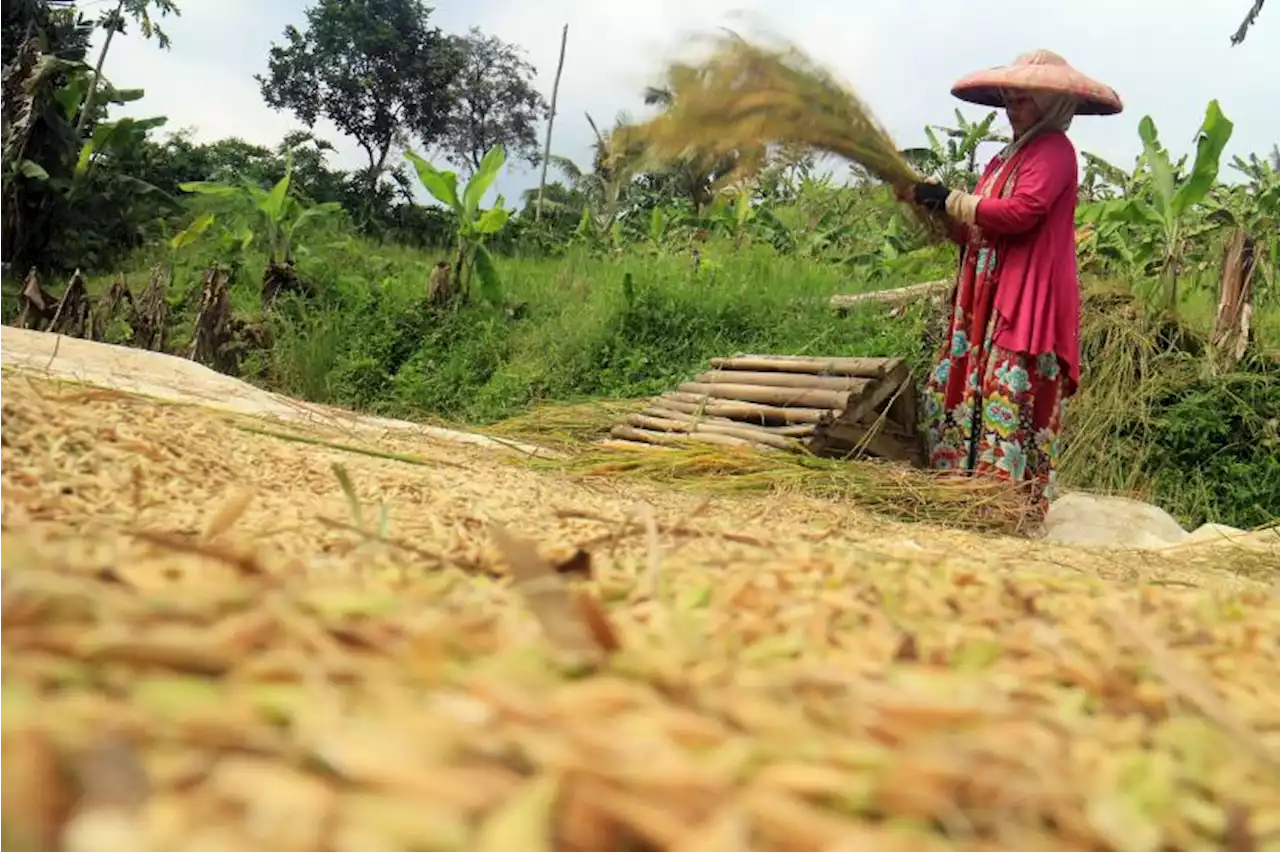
[{"x": 1167, "y": 58}]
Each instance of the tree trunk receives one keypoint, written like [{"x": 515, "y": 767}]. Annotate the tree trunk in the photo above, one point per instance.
[
  {"x": 1235, "y": 301},
  {"x": 92, "y": 95},
  {"x": 551, "y": 120}
]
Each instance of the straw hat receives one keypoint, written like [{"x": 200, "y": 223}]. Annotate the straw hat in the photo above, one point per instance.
[{"x": 1038, "y": 71}]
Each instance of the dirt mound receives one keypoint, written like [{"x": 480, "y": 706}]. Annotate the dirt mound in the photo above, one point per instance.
[{"x": 208, "y": 642}]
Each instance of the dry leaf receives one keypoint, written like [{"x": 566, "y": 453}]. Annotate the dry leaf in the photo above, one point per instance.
[
  {"x": 551, "y": 600},
  {"x": 382, "y": 823}
]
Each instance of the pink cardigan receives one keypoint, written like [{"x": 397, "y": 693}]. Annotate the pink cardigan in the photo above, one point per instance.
[{"x": 1033, "y": 231}]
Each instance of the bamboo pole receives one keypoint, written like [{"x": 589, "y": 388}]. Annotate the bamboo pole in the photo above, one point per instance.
[
  {"x": 898, "y": 296},
  {"x": 771, "y": 396},
  {"x": 686, "y": 427},
  {"x": 754, "y": 412},
  {"x": 551, "y": 120},
  {"x": 867, "y": 368},
  {"x": 847, "y": 384},
  {"x": 667, "y": 439},
  {"x": 690, "y": 414}
]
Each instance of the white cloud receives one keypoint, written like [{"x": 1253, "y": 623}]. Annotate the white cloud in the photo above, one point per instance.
[{"x": 1167, "y": 58}]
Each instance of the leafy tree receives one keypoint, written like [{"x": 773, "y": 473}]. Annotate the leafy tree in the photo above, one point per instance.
[
  {"x": 494, "y": 103},
  {"x": 41, "y": 72},
  {"x": 113, "y": 22},
  {"x": 372, "y": 67}
]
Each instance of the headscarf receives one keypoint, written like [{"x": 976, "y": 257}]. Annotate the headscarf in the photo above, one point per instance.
[{"x": 1056, "y": 112}]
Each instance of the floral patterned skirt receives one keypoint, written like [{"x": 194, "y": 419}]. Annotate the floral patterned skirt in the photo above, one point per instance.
[{"x": 995, "y": 412}]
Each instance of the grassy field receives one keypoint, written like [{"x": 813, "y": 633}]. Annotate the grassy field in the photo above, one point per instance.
[{"x": 568, "y": 328}]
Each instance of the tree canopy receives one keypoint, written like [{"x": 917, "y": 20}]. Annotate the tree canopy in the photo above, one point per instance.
[
  {"x": 372, "y": 67},
  {"x": 494, "y": 103}
]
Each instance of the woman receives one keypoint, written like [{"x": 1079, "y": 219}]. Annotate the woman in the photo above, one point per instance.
[{"x": 994, "y": 400}]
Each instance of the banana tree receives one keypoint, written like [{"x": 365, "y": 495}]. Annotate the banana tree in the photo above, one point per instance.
[
  {"x": 955, "y": 163},
  {"x": 113, "y": 22},
  {"x": 1254, "y": 208},
  {"x": 473, "y": 259},
  {"x": 249, "y": 213},
  {"x": 1173, "y": 195}
]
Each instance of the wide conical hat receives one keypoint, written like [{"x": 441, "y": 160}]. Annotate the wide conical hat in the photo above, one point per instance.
[{"x": 1038, "y": 71}]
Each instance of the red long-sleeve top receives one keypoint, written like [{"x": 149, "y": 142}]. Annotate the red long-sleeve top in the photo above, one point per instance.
[{"x": 1032, "y": 229}]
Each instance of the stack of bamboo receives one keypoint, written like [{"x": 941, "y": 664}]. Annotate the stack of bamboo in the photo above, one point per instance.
[{"x": 828, "y": 406}]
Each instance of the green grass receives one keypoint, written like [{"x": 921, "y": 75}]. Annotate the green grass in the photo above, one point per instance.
[{"x": 571, "y": 328}]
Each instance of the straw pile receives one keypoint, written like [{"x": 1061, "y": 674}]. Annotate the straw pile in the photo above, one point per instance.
[
  {"x": 215, "y": 639},
  {"x": 892, "y": 490},
  {"x": 745, "y": 97}
]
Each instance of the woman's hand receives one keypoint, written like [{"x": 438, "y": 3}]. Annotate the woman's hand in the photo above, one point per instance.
[{"x": 931, "y": 195}]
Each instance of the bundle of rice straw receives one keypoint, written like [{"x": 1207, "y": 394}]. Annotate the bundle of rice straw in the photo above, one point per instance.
[
  {"x": 900, "y": 492},
  {"x": 745, "y": 97}
]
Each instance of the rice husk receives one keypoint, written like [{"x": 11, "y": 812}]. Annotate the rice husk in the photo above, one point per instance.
[{"x": 208, "y": 643}]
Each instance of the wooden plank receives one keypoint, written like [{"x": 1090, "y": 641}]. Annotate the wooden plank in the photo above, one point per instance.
[
  {"x": 904, "y": 411},
  {"x": 887, "y": 387},
  {"x": 667, "y": 439},
  {"x": 744, "y": 411},
  {"x": 771, "y": 396},
  {"x": 846, "y": 439},
  {"x": 662, "y": 410},
  {"x": 867, "y": 368},
  {"x": 848, "y": 384},
  {"x": 743, "y": 431}
]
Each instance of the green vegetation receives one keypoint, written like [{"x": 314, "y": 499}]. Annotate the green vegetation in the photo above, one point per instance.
[{"x": 324, "y": 282}]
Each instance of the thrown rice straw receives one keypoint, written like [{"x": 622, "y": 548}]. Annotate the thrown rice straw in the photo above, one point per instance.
[{"x": 746, "y": 97}]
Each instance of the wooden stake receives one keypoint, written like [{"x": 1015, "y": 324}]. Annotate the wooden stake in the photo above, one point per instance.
[{"x": 551, "y": 120}]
